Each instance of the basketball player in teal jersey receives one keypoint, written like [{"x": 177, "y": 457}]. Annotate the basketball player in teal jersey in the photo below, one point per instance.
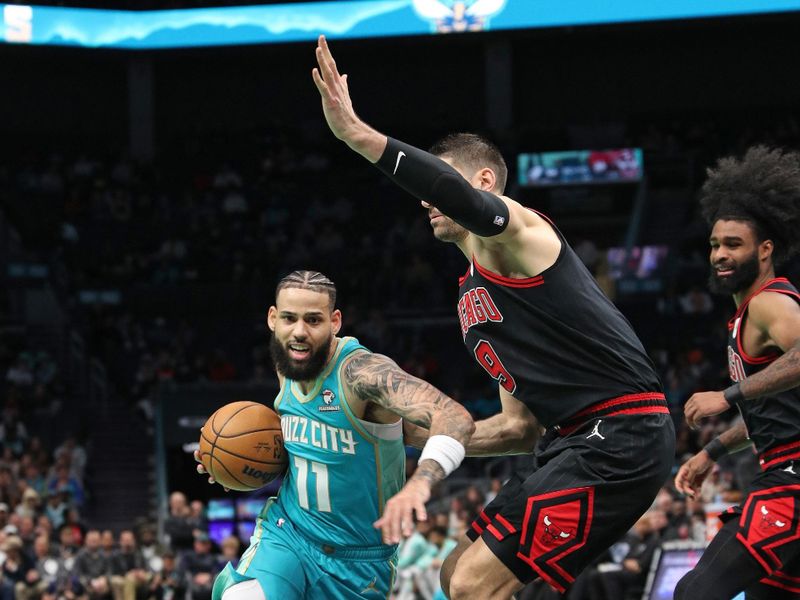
[{"x": 341, "y": 410}]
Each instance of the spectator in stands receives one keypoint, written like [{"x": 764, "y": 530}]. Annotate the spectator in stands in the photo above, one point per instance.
[
  {"x": 108, "y": 542},
  {"x": 16, "y": 564},
  {"x": 34, "y": 480},
  {"x": 201, "y": 565},
  {"x": 178, "y": 525},
  {"x": 149, "y": 546},
  {"x": 30, "y": 505},
  {"x": 642, "y": 541},
  {"x": 56, "y": 509},
  {"x": 64, "y": 482},
  {"x": 129, "y": 571},
  {"x": 9, "y": 490},
  {"x": 41, "y": 575},
  {"x": 170, "y": 582},
  {"x": 93, "y": 566},
  {"x": 75, "y": 456},
  {"x": 231, "y": 548}
]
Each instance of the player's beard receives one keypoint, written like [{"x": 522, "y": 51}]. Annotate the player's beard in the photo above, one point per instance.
[
  {"x": 743, "y": 276},
  {"x": 447, "y": 230},
  {"x": 299, "y": 371}
]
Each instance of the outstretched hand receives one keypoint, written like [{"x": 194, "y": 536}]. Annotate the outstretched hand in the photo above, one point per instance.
[
  {"x": 332, "y": 86},
  {"x": 202, "y": 470},
  {"x": 338, "y": 107}
]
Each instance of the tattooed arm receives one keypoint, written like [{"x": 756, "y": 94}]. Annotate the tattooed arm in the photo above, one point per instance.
[
  {"x": 377, "y": 379},
  {"x": 514, "y": 430}
]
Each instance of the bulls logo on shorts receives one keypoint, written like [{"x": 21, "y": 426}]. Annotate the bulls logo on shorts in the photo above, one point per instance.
[
  {"x": 556, "y": 524},
  {"x": 770, "y": 520}
]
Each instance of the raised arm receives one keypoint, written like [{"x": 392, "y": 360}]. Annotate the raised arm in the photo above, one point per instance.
[
  {"x": 422, "y": 174},
  {"x": 514, "y": 430},
  {"x": 376, "y": 378}
]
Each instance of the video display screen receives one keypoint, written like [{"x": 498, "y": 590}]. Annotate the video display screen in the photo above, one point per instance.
[{"x": 580, "y": 167}]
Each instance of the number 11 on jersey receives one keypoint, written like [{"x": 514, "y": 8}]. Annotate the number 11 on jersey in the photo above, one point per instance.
[{"x": 321, "y": 474}]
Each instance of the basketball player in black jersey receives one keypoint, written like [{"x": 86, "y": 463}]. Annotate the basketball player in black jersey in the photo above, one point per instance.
[
  {"x": 564, "y": 358},
  {"x": 753, "y": 206}
]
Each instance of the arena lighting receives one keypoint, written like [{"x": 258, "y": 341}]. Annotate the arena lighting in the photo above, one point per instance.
[{"x": 277, "y": 23}]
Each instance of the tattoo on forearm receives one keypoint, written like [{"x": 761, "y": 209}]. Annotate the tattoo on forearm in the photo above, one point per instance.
[
  {"x": 429, "y": 470},
  {"x": 376, "y": 378},
  {"x": 782, "y": 375}
]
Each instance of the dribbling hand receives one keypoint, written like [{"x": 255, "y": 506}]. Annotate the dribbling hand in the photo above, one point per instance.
[{"x": 202, "y": 470}]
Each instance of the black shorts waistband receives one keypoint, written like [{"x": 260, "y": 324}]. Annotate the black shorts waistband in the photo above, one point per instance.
[
  {"x": 631, "y": 404},
  {"x": 779, "y": 455}
]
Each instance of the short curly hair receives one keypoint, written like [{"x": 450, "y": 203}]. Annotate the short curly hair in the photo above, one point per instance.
[{"x": 762, "y": 188}]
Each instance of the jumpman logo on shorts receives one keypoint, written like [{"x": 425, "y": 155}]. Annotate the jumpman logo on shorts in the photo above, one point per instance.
[
  {"x": 371, "y": 587},
  {"x": 596, "y": 431}
]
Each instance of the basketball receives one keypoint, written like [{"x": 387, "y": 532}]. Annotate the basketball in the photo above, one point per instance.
[{"x": 241, "y": 446}]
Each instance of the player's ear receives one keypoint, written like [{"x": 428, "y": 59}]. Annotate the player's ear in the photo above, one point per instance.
[
  {"x": 765, "y": 249},
  {"x": 336, "y": 321},
  {"x": 272, "y": 317},
  {"x": 486, "y": 179}
]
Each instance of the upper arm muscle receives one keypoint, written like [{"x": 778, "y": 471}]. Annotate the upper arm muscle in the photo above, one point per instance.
[{"x": 778, "y": 317}]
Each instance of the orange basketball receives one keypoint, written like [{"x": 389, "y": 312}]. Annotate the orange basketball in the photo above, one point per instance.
[{"x": 241, "y": 446}]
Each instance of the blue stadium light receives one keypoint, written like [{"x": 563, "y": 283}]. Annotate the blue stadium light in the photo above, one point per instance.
[{"x": 280, "y": 23}]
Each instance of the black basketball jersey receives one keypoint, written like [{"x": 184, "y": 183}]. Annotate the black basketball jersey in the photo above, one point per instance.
[
  {"x": 773, "y": 422},
  {"x": 554, "y": 341}
]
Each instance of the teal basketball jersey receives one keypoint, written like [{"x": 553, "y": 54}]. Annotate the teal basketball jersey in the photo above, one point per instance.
[{"x": 342, "y": 469}]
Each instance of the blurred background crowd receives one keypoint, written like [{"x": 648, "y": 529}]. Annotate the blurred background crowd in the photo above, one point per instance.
[{"x": 128, "y": 277}]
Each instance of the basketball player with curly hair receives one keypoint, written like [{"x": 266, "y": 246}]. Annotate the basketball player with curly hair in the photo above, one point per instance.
[{"x": 753, "y": 207}]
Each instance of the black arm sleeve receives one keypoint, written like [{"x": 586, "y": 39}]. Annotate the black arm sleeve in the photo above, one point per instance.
[{"x": 431, "y": 179}]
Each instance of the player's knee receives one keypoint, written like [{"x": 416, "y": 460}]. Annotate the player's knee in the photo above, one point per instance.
[
  {"x": 246, "y": 590},
  {"x": 446, "y": 574},
  {"x": 462, "y": 585}
]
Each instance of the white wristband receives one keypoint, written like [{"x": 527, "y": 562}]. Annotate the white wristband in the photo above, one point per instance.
[{"x": 446, "y": 451}]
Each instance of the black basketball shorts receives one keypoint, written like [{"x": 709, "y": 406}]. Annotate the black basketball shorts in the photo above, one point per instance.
[
  {"x": 582, "y": 493},
  {"x": 767, "y": 523}
]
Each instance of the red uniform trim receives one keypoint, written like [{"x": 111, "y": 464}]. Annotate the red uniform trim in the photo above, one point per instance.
[
  {"x": 743, "y": 306},
  {"x": 493, "y": 530},
  {"x": 508, "y": 281},
  {"x": 779, "y": 449},
  {"x": 485, "y": 517},
  {"x": 590, "y": 410},
  {"x": 766, "y": 464},
  {"x": 598, "y": 409},
  {"x": 740, "y": 314},
  {"x": 755, "y": 554},
  {"x": 552, "y": 561},
  {"x": 478, "y": 529},
  {"x": 504, "y": 522},
  {"x": 780, "y": 584},
  {"x": 764, "y": 554},
  {"x": 463, "y": 278}
]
